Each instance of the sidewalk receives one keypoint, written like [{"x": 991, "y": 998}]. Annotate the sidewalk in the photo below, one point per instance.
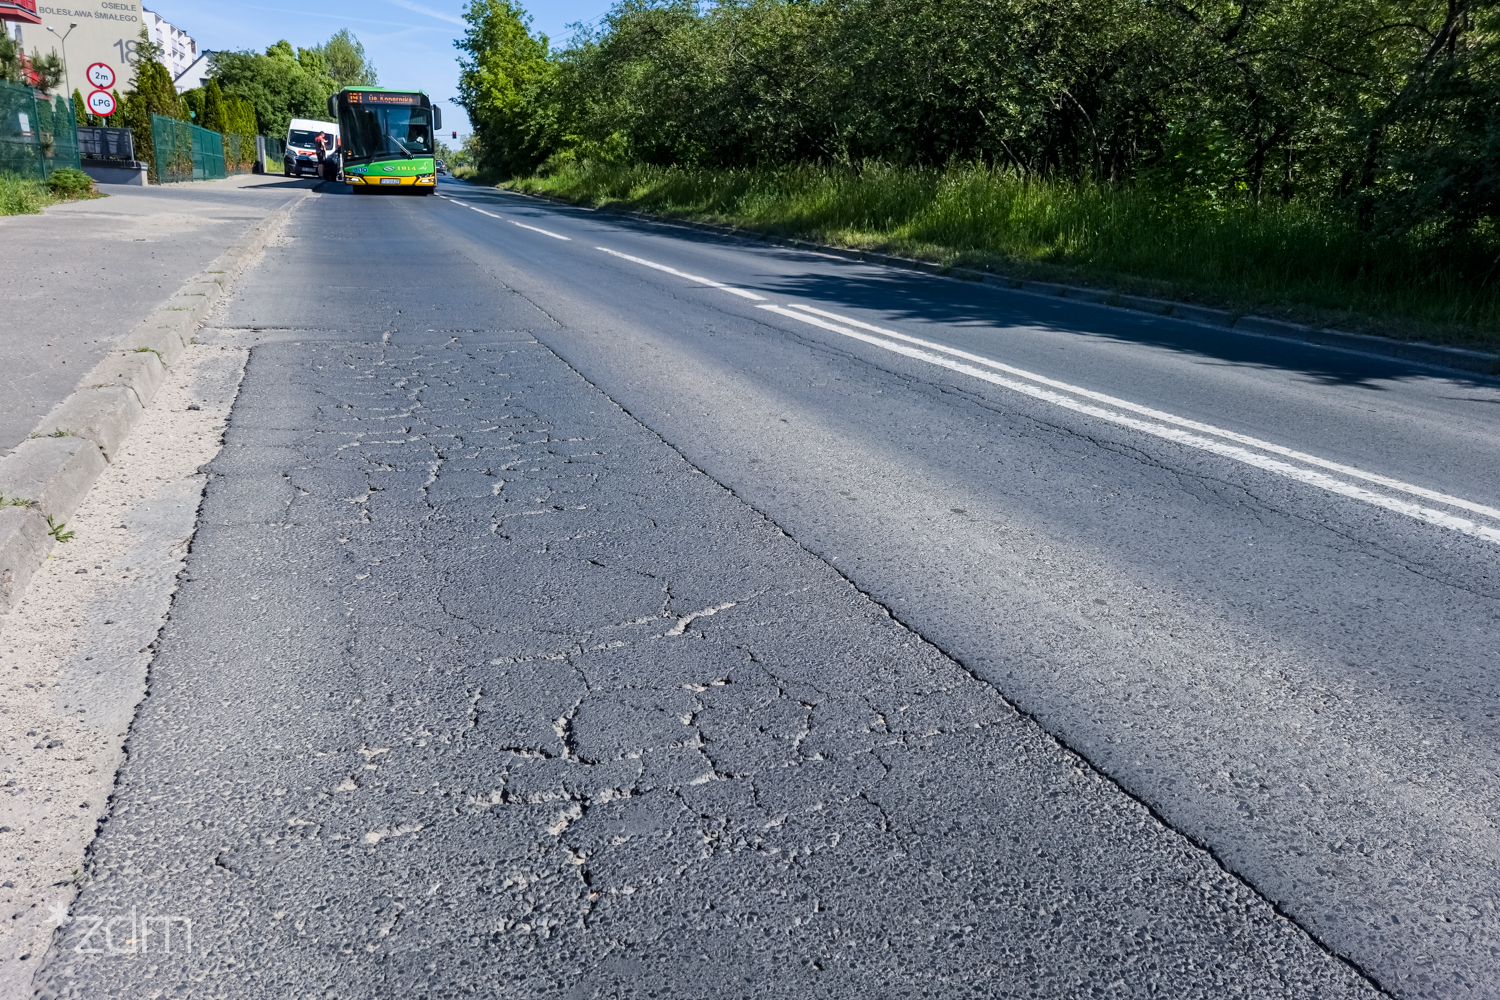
[{"x": 80, "y": 275}]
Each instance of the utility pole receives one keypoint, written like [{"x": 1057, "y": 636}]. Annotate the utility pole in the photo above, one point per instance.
[{"x": 67, "y": 76}]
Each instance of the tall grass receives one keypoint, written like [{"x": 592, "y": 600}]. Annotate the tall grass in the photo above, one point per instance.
[
  {"x": 23, "y": 195},
  {"x": 1289, "y": 259}
]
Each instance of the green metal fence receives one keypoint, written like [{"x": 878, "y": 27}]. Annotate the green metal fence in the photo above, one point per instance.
[
  {"x": 186, "y": 152},
  {"x": 38, "y": 134}
]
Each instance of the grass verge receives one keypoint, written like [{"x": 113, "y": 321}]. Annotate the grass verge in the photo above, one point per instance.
[{"x": 1291, "y": 261}]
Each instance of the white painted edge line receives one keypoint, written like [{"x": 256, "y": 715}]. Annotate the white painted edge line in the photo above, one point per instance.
[
  {"x": 534, "y": 229},
  {"x": 1170, "y": 418},
  {"x": 502, "y": 218},
  {"x": 742, "y": 293},
  {"x": 1311, "y": 478}
]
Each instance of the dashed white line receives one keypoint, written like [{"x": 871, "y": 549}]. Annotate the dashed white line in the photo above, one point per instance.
[
  {"x": 1308, "y": 476},
  {"x": 534, "y": 229},
  {"x": 742, "y": 293}
]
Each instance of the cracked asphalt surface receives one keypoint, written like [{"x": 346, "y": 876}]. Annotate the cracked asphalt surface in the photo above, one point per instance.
[{"x": 556, "y": 627}]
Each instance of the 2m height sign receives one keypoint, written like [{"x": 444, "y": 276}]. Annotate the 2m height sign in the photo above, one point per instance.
[
  {"x": 101, "y": 102},
  {"x": 101, "y": 75}
]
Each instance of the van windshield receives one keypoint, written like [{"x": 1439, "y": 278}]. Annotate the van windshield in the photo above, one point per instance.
[{"x": 302, "y": 137}]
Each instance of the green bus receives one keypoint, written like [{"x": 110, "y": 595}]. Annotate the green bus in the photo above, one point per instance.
[{"x": 387, "y": 139}]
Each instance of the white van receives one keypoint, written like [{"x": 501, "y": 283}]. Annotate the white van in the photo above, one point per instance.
[{"x": 302, "y": 145}]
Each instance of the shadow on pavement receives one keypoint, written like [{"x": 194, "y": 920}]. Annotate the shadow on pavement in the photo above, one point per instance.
[{"x": 908, "y": 295}]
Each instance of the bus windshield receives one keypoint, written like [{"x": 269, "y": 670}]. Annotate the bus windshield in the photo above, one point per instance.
[{"x": 379, "y": 133}]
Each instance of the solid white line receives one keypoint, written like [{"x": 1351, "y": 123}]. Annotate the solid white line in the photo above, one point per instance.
[
  {"x": 742, "y": 293},
  {"x": 1307, "y": 476},
  {"x": 502, "y": 218},
  {"x": 1124, "y": 404},
  {"x": 534, "y": 229}
]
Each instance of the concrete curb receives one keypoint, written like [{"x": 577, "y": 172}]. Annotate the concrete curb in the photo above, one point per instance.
[
  {"x": 1437, "y": 355},
  {"x": 76, "y": 441}
]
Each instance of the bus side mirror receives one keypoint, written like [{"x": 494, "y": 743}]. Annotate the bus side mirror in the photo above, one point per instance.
[
  {"x": 437, "y": 118},
  {"x": 333, "y": 108}
]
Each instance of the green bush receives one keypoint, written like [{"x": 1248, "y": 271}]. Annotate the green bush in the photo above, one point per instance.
[{"x": 70, "y": 182}]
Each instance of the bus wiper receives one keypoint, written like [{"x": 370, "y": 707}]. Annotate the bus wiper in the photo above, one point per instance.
[{"x": 403, "y": 148}]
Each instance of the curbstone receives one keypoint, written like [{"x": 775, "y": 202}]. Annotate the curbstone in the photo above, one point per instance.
[
  {"x": 1044, "y": 288},
  {"x": 1201, "y": 314},
  {"x": 104, "y": 415},
  {"x": 54, "y": 472},
  {"x": 140, "y": 371},
  {"x": 23, "y": 545},
  {"x": 164, "y": 331},
  {"x": 1271, "y": 327},
  {"x": 1096, "y": 295},
  {"x": 1140, "y": 303}
]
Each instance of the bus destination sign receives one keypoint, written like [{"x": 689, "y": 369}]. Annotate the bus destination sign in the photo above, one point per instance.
[{"x": 381, "y": 97}]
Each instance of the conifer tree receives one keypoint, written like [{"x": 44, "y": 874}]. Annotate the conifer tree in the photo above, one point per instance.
[{"x": 213, "y": 108}]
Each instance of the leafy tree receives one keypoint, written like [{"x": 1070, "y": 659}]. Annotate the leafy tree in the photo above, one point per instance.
[
  {"x": 192, "y": 104},
  {"x": 281, "y": 84},
  {"x": 505, "y": 82},
  {"x": 1387, "y": 109},
  {"x": 1438, "y": 139},
  {"x": 346, "y": 62},
  {"x": 79, "y": 113}
]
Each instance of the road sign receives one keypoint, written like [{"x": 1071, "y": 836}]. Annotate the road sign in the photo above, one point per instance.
[
  {"x": 102, "y": 76},
  {"x": 102, "y": 103}
]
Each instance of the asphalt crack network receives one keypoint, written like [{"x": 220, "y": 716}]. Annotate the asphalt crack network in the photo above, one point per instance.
[{"x": 641, "y": 721}]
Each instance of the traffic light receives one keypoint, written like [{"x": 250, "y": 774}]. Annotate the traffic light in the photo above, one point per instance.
[{"x": 455, "y": 135}]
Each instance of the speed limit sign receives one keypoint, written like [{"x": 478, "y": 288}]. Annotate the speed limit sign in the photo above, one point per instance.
[
  {"x": 102, "y": 103},
  {"x": 101, "y": 75}
]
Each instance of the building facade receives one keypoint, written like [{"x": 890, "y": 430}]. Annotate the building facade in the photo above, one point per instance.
[
  {"x": 179, "y": 50},
  {"x": 84, "y": 32}
]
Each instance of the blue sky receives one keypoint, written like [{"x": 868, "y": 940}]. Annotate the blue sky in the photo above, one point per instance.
[{"x": 410, "y": 41}]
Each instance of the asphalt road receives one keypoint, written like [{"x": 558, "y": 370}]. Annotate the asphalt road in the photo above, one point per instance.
[{"x": 584, "y": 607}]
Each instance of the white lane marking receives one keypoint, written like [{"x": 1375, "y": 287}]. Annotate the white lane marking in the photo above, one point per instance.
[
  {"x": 1311, "y": 478},
  {"x": 474, "y": 208},
  {"x": 742, "y": 293},
  {"x": 502, "y": 218},
  {"x": 1124, "y": 404},
  {"x": 534, "y": 229}
]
